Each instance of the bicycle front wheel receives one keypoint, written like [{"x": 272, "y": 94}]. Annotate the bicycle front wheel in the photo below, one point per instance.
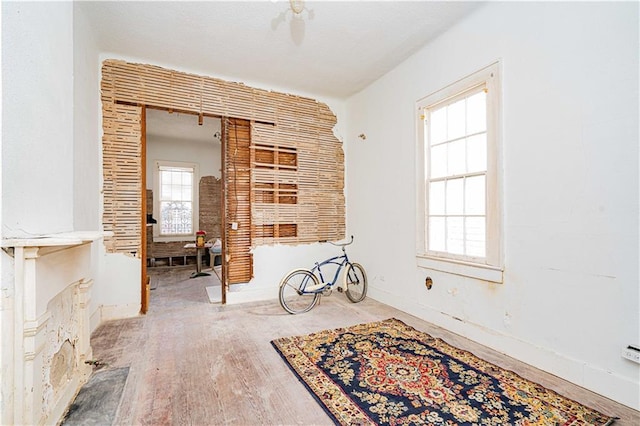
[
  {"x": 293, "y": 299},
  {"x": 355, "y": 282}
]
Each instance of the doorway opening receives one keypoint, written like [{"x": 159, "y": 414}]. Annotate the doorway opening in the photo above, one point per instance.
[{"x": 184, "y": 197}]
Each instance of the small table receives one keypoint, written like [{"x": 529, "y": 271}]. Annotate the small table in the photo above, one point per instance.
[{"x": 200, "y": 250}]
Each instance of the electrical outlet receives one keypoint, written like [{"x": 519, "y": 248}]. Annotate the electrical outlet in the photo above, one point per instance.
[{"x": 631, "y": 353}]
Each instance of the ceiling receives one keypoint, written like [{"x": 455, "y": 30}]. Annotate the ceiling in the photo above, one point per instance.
[
  {"x": 182, "y": 127},
  {"x": 331, "y": 49}
]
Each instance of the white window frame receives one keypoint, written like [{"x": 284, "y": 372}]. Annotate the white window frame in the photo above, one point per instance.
[
  {"x": 491, "y": 267},
  {"x": 157, "y": 236}
]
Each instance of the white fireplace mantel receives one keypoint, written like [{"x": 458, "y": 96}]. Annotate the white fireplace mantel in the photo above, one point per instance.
[{"x": 49, "y": 309}]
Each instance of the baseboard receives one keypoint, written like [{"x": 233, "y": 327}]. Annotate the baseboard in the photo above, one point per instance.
[
  {"x": 618, "y": 388},
  {"x": 95, "y": 319},
  {"x": 113, "y": 312}
]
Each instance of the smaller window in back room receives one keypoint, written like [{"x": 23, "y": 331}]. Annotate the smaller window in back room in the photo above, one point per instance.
[
  {"x": 460, "y": 176},
  {"x": 176, "y": 198}
]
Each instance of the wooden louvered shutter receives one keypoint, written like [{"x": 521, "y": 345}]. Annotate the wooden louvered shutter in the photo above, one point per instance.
[{"x": 237, "y": 134}]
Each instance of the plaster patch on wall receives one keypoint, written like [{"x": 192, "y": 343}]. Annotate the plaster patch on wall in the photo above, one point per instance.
[
  {"x": 62, "y": 364},
  {"x": 507, "y": 319}
]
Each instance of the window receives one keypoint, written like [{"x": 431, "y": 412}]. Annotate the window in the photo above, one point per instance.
[
  {"x": 175, "y": 204},
  {"x": 459, "y": 178}
]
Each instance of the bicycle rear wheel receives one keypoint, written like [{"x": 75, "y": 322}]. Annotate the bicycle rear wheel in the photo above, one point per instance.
[
  {"x": 355, "y": 282},
  {"x": 292, "y": 297}
]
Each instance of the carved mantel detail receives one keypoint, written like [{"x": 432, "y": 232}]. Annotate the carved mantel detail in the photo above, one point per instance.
[{"x": 48, "y": 343}]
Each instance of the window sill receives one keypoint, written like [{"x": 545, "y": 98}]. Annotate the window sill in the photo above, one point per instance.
[
  {"x": 181, "y": 238},
  {"x": 477, "y": 271}
]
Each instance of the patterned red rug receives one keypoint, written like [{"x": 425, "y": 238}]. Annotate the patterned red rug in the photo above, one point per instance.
[{"x": 386, "y": 372}]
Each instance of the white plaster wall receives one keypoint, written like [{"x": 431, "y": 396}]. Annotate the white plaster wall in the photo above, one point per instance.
[
  {"x": 205, "y": 155},
  {"x": 272, "y": 263},
  {"x": 37, "y": 140},
  {"x": 569, "y": 301},
  {"x": 37, "y": 118},
  {"x": 87, "y": 153},
  {"x": 88, "y": 159}
]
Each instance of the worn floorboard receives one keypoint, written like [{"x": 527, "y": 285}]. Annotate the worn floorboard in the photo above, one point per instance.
[{"x": 192, "y": 362}]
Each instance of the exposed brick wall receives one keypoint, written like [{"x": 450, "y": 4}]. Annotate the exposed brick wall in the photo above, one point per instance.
[{"x": 210, "y": 206}]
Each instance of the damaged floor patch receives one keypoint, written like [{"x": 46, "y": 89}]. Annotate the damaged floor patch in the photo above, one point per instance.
[{"x": 98, "y": 400}]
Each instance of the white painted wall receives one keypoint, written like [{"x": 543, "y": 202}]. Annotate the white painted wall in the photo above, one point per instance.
[
  {"x": 207, "y": 155},
  {"x": 106, "y": 293},
  {"x": 37, "y": 142},
  {"x": 41, "y": 153},
  {"x": 87, "y": 127},
  {"x": 570, "y": 300},
  {"x": 37, "y": 118}
]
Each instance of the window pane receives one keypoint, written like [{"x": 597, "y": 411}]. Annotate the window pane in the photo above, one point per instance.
[
  {"x": 456, "y": 120},
  {"x": 176, "y": 192},
  {"x": 175, "y": 177},
  {"x": 186, "y": 178},
  {"x": 477, "y": 153},
  {"x": 165, "y": 192},
  {"x": 477, "y": 113},
  {"x": 475, "y": 236},
  {"x": 437, "y": 233},
  {"x": 455, "y": 235},
  {"x": 438, "y": 126},
  {"x": 474, "y": 196},
  {"x": 455, "y": 196},
  {"x": 175, "y": 217},
  {"x": 456, "y": 158},
  {"x": 186, "y": 193},
  {"x": 438, "y": 163},
  {"x": 436, "y": 198}
]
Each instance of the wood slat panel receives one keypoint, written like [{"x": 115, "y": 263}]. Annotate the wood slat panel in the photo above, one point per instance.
[
  {"x": 121, "y": 152},
  {"x": 301, "y": 125}
]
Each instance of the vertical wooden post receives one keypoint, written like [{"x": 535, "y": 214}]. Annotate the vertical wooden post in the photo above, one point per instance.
[
  {"x": 144, "y": 279},
  {"x": 223, "y": 206}
]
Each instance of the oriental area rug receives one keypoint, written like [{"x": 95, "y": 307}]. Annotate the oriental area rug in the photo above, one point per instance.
[{"x": 387, "y": 372}]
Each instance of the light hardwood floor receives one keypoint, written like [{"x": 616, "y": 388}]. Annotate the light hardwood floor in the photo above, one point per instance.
[{"x": 196, "y": 363}]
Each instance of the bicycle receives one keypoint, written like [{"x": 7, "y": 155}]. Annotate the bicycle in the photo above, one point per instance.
[{"x": 301, "y": 288}]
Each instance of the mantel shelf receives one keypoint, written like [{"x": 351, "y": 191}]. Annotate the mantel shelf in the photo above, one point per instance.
[{"x": 56, "y": 240}]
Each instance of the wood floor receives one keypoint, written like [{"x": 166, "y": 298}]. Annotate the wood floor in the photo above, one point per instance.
[{"x": 196, "y": 363}]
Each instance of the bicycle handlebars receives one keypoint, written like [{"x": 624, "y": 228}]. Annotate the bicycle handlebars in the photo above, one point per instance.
[{"x": 341, "y": 244}]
